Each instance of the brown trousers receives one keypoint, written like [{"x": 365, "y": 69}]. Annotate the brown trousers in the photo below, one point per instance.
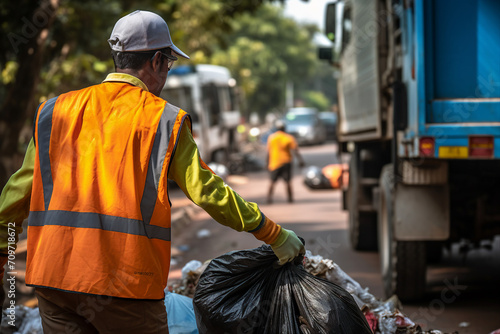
[{"x": 66, "y": 312}]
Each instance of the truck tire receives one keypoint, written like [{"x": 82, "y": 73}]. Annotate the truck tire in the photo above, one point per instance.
[
  {"x": 403, "y": 263},
  {"x": 362, "y": 218}
]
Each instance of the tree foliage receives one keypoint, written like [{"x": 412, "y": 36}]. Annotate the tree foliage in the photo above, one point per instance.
[{"x": 265, "y": 51}]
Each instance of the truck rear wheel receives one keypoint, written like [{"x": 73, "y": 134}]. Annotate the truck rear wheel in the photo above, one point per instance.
[
  {"x": 403, "y": 263},
  {"x": 362, "y": 214}
]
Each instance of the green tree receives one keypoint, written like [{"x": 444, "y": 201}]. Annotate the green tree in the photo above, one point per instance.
[
  {"x": 317, "y": 100},
  {"x": 319, "y": 90},
  {"x": 265, "y": 51}
]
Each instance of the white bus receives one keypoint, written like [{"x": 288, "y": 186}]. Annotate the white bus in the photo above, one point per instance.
[{"x": 207, "y": 93}]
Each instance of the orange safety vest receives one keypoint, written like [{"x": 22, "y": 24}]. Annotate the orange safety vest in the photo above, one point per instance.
[{"x": 99, "y": 219}]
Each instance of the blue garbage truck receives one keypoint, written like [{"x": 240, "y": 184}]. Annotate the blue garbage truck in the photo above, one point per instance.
[{"x": 419, "y": 115}]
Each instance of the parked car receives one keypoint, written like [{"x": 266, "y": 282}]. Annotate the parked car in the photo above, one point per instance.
[
  {"x": 329, "y": 119},
  {"x": 305, "y": 125}
]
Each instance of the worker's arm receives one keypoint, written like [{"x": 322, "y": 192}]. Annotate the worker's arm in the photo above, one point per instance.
[
  {"x": 14, "y": 205},
  {"x": 209, "y": 191}
]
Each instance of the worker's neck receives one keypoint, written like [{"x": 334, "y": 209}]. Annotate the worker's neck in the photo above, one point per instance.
[
  {"x": 135, "y": 73},
  {"x": 146, "y": 75}
]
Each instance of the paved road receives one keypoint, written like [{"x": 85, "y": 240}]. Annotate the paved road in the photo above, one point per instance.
[{"x": 461, "y": 291}]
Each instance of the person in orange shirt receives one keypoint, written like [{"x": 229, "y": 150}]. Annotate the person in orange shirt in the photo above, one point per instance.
[{"x": 280, "y": 149}]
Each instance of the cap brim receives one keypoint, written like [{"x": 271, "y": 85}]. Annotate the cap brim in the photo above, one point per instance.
[{"x": 178, "y": 51}]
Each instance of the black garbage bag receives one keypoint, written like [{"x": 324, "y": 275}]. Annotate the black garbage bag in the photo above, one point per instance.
[{"x": 248, "y": 292}]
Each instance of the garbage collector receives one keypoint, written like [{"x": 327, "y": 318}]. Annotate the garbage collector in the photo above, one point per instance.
[{"x": 94, "y": 187}]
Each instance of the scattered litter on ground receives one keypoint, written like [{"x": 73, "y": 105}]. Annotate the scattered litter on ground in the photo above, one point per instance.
[
  {"x": 183, "y": 248},
  {"x": 464, "y": 324},
  {"x": 187, "y": 284},
  {"x": 192, "y": 265},
  {"x": 21, "y": 320},
  {"x": 203, "y": 233}
]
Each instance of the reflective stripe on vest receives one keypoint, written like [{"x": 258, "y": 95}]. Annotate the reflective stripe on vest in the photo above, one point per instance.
[
  {"x": 98, "y": 221},
  {"x": 43, "y": 143},
  {"x": 160, "y": 146}
]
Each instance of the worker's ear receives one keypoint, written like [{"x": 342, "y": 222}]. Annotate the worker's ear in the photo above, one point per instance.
[{"x": 156, "y": 61}]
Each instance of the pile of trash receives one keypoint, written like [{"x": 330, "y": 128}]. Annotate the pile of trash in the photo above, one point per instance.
[
  {"x": 21, "y": 320},
  {"x": 384, "y": 317},
  {"x": 191, "y": 273}
]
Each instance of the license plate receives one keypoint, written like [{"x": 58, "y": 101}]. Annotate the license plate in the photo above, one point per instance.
[{"x": 453, "y": 152}]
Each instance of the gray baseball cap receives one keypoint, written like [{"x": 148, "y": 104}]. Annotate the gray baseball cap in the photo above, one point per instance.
[{"x": 142, "y": 31}]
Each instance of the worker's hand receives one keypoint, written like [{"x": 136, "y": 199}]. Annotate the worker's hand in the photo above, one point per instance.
[{"x": 288, "y": 246}]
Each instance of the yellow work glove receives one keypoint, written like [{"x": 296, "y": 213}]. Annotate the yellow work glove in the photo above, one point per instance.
[{"x": 287, "y": 246}]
